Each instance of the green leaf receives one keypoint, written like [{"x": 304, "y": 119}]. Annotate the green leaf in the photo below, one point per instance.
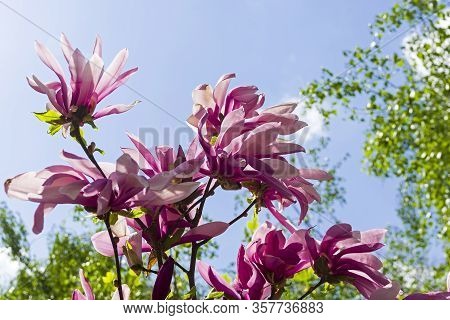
[
  {"x": 54, "y": 129},
  {"x": 51, "y": 117},
  {"x": 214, "y": 295},
  {"x": 114, "y": 216},
  {"x": 133, "y": 214},
  {"x": 190, "y": 294}
]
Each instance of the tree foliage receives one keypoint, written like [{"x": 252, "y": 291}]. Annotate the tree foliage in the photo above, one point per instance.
[{"x": 403, "y": 92}]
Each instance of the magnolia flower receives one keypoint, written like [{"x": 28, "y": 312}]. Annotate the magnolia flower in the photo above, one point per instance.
[
  {"x": 345, "y": 255},
  {"x": 237, "y": 155},
  {"x": 81, "y": 183},
  {"x": 436, "y": 295},
  {"x": 217, "y": 103},
  {"x": 275, "y": 256},
  {"x": 249, "y": 284},
  {"x": 168, "y": 165},
  {"x": 90, "y": 83},
  {"x": 88, "y": 293}
]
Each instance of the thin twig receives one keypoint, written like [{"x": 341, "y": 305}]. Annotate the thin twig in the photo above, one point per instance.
[
  {"x": 116, "y": 256},
  {"x": 311, "y": 289}
]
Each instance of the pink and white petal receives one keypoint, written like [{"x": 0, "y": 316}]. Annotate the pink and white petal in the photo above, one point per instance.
[
  {"x": 203, "y": 232},
  {"x": 102, "y": 244},
  {"x": 202, "y": 96},
  {"x": 50, "y": 61},
  {"x": 389, "y": 292},
  {"x": 113, "y": 70},
  {"x": 120, "y": 80},
  {"x": 144, "y": 152},
  {"x": 172, "y": 194},
  {"x": 86, "y": 286},
  {"x": 220, "y": 91},
  {"x": 104, "y": 199},
  {"x": 280, "y": 217},
  {"x": 41, "y": 211},
  {"x": 77, "y": 295},
  {"x": 81, "y": 164},
  {"x": 126, "y": 293},
  {"x": 373, "y": 236},
  {"x": 114, "y": 109},
  {"x": 23, "y": 185},
  {"x": 125, "y": 164},
  {"x": 315, "y": 174},
  {"x": 120, "y": 228},
  {"x": 281, "y": 108},
  {"x": 281, "y": 168},
  {"x": 216, "y": 281},
  {"x": 98, "y": 46}
]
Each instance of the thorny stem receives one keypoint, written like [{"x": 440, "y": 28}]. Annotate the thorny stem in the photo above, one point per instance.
[
  {"x": 311, "y": 289},
  {"x": 77, "y": 135}
]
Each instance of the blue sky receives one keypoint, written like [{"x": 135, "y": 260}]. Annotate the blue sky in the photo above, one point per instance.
[{"x": 177, "y": 46}]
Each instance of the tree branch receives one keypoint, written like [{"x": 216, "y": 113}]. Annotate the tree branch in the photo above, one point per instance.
[{"x": 311, "y": 289}]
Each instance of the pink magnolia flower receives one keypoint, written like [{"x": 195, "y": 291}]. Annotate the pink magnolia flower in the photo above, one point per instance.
[
  {"x": 217, "y": 103},
  {"x": 436, "y": 295},
  {"x": 275, "y": 256},
  {"x": 90, "y": 82},
  {"x": 237, "y": 155},
  {"x": 249, "y": 284},
  {"x": 81, "y": 183},
  {"x": 345, "y": 255},
  {"x": 167, "y": 165},
  {"x": 89, "y": 294}
]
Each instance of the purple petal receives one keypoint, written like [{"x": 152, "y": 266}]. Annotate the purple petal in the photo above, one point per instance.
[
  {"x": 203, "y": 232},
  {"x": 214, "y": 280},
  {"x": 161, "y": 287}
]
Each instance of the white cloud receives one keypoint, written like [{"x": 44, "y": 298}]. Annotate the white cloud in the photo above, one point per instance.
[{"x": 8, "y": 267}]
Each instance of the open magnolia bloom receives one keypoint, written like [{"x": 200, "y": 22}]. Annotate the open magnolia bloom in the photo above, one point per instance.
[
  {"x": 81, "y": 183},
  {"x": 346, "y": 255},
  {"x": 89, "y": 294},
  {"x": 217, "y": 103},
  {"x": 275, "y": 256},
  {"x": 75, "y": 101},
  {"x": 244, "y": 147},
  {"x": 250, "y": 283},
  {"x": 167, "y": 166}
]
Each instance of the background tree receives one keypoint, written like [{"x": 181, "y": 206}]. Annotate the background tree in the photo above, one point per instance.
[{"x": 403, "y": 95}]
